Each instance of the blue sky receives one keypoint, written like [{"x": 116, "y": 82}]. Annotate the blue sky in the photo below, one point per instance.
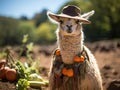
[{"x": 17, "y": 8}]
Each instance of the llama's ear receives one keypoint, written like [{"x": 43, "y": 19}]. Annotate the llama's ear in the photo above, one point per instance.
[
  {"x": 53, "y": 17},
  {"x": 87, "y": 15}
]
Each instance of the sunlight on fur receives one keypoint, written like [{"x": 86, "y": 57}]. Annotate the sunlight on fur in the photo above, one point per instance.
[{"x": 86, "y": 75}]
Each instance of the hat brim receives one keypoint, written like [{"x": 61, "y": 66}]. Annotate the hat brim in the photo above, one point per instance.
[{"x": 83, "y": 20}]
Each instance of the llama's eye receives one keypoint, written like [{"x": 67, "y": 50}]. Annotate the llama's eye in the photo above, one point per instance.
[
  {"x": 77, "y": 22},
  {"x": 61, "y": 21}
]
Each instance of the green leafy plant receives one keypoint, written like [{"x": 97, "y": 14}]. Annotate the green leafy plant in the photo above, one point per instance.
[
  {"x": 27, "y": 74},
  {"x": 22, "y": 84}
]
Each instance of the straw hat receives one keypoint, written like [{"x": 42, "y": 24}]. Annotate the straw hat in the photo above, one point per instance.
[{"x": 73, "y": 12}]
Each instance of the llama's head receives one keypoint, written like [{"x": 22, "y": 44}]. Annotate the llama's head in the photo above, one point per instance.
[{"x": 70, "y": 21}]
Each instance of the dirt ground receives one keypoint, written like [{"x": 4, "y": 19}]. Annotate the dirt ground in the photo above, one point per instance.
[{"x": 107, "y": 54}]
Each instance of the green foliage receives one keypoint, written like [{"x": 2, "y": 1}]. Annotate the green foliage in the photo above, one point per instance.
[
  {"x": 12, "y": 30},
  {"x": 107, "y": 16},
  {"x": 45, "y": 33},
  {"x": 26, "y": 27},
  {"x": 29, "y": 47},
  {"x": 8, "y": 30},
  {"x": 27, "y": 71},
  {"x": 13, "y": 33},
  {"x": 23, "y": 18},
  {"x": 22, "y": 84},
  {"x": 2, "y": 55},
  {"x": 25, "y": 39},
  {"x": 105, "y": 24},
  {"x": 40, "y": 17},
  {"x": 21, "y": 70}
]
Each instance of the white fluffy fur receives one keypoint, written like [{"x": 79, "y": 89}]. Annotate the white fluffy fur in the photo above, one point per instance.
[{"x": 70, "y": 44}]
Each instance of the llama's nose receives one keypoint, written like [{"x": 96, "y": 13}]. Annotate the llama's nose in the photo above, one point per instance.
[{"x": 69, "y": 27}]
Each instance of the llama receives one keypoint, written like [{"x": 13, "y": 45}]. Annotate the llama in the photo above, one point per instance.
[{"x": 73, "y": 67}]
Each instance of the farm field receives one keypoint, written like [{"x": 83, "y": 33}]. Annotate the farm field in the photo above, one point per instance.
[{"x": 107, "y": 54}]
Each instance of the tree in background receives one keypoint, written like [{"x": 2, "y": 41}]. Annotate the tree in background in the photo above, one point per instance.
[
  {"x": 8, "y": 27},
  {"x": 105, "y": 23},
  {"x": 12, "y": 30},
  {"x": 45, "y": 33},
  {"x": 108, "y": 16},
  {"x": 40, "y": 17},
  {"x": 23, "y": 18}
]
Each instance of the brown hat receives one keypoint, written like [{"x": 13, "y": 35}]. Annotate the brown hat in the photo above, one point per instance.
[{"x": 72, "y": 11}]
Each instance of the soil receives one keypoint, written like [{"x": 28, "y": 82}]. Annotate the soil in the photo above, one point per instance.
[{"x": 107, "y": 54}]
